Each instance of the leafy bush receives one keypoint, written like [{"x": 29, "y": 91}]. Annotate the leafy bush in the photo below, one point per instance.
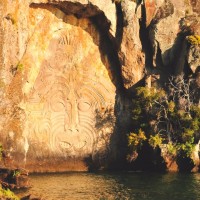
[
  {"x": 135, "y": 140},
  {"x": 185, "y": 149},
  {"x": 155, "y": 141},
  {"x": 171, "y": 149},
  {"x": 194, "y": 39},
  {"x": 169, "y": 117},
  {"x": 16, "y": 173},
  {"x": 6, "y": 193},
  {"x": 143, "y": 105}
]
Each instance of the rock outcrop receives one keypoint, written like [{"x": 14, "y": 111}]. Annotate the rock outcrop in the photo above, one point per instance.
[
  {"x": 68, "y": 69},
  {"x": 171, "y": 23},
  {"x": 14, "y": 178}
]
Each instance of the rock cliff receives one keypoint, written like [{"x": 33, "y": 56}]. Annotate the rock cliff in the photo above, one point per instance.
[{"x": 68, "y": 69}]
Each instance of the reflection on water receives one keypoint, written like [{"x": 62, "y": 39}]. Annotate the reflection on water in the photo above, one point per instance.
[{"x": 116, "y": 186}]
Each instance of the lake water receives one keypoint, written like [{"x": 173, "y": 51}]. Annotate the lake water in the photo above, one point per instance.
[{"x": 116, "y": 186}]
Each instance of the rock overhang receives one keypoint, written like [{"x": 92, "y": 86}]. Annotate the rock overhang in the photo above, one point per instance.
[{"x": 85, "y": 9}]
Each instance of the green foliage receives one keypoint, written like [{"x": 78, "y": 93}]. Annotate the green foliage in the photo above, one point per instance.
[
  {"x": 20, "y": 67},
  {"x": 155, "y": 141},
  {"x": 16, "y": 173},
  {"x": 195, "y": 115},
  {"x": 135, "y": 140},
  {"x": 185, "y": 149},
  {"x": 171, "y": 149},
  {"x": 6, "y": 193},
  {"x": 171, "y": 106},
  {"x": 194, "y": 39},
  {"x": 185, "y": 124},
  {"x": 149, "y": 95},
  {"x": 187, "y": 134},
  {"x": 162, "y": 118},
  {"x": 143, "y": 103}
]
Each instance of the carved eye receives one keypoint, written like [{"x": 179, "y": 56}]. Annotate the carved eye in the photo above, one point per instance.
[
  {"x": 84, "y": 106},
  {"x": 57, "y": 106},
  {"x": 56, "y": 101}
]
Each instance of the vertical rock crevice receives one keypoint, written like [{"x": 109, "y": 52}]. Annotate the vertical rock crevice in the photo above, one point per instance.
[
  {"x": 145, "y": 40},
  {"x": 108, "y": 48}
]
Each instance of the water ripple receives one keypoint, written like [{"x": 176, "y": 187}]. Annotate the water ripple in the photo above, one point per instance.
[{"x": 115, "y": 186}]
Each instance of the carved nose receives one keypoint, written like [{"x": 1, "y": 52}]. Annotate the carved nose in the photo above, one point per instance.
[{"x": 73, "y": 118}]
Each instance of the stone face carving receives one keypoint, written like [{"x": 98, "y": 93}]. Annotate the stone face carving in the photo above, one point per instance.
[{"x": 71, "y": 86}]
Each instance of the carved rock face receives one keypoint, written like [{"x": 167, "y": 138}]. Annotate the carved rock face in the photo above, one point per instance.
[{"x": 64, "y": 88}]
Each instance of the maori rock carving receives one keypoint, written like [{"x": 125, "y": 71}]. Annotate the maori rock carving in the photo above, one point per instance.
[{"x": 72, "y": 84}]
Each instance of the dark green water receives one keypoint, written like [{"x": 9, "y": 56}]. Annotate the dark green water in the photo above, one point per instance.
[{"x": 116, "y": 186}]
